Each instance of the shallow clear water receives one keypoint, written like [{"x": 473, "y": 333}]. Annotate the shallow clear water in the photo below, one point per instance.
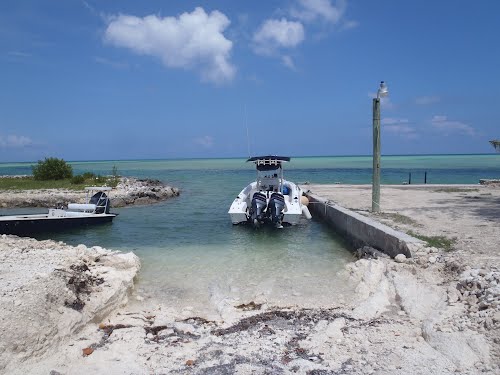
[{"x": 191, "y": 253}]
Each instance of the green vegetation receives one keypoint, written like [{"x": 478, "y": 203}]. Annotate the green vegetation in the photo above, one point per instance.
[
  {"x": 52, "y": 169},
  {"x": 88, "y": 175},
  {"x": 398, "y": 218},
  {"x": 455, "y": 190},
  {"x": 114, "y": 171},
  {"x": 435, "y": 241},
  {"x": 53, "y": 173},
  {"x": 115, "y": 177},
  {"x": 29, "y": 183},
  {"x": 77, "y": 182}
]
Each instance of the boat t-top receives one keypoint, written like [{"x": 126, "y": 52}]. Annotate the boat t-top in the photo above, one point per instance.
[{"x": 270, "y": 199}]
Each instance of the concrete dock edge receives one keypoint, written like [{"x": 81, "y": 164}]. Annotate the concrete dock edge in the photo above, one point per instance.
[{"x": 361, "y": 230}]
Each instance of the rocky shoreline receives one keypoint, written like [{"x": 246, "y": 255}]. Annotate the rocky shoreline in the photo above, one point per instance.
[
  {"x": 49, "y": 291},
  {"x": 133, "y": 191},
  {"x": 129, "y": 191},
  {"x": 403, "y": 319},
  {"x": 435, "y": 313},
  {"x": 464, "y": 273}
]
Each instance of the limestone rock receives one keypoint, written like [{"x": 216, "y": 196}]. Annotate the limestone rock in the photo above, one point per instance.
[
  {"x": 463, "y": 349},
  {"x": 334, "y": 329},
  {"x": 368, "y": 252},
  {"x": 60, "y": 297},
  {"x": 400, "y": 258},
  {"x": 418, "y": 300},
  {"x": 453, "y": 294}
]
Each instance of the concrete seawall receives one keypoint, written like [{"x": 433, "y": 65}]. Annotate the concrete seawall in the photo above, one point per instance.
[{"x": 361, "y": 230}]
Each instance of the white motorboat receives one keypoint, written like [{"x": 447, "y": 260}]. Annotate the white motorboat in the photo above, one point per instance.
[
  {"x": 94, "y": 211},
  {"x": 270, "y": 199}
]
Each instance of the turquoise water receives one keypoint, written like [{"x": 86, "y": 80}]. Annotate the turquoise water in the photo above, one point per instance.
[
  {"x": 449, "y": 169},
  {"x": 193, "y": 256}
]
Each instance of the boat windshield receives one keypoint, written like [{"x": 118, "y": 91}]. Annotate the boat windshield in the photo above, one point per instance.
[{"x": 270, "y": 179}]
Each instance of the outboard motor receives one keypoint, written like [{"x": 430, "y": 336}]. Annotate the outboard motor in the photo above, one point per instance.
[
  {"x": 101, "y": 201},
  {"x": 275, "y": 209},
  {"x": 259, "y": 203}
]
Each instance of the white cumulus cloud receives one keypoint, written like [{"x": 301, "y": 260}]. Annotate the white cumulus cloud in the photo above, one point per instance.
[
  {"x": 206, "y": 141},
  {"x": 288, "y": 62},
  {"x": 15, "y": 141},
  {"x": 312, "y": 10},
  {"x": 275, "y": 34},
  {"x": 190, "y": 41},
  {"x": 400, "y": 127},
  {"x": 446, "y": 126}
]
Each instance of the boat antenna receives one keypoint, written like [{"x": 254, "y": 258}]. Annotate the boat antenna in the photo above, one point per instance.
[{"x": 248, "y": 136}]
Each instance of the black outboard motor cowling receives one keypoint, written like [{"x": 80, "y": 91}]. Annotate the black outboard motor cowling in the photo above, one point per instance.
[
  {"x": 101, "y": 200},
  {"x": 275, "y": 209},
  {"x": 257, "y": 211}
]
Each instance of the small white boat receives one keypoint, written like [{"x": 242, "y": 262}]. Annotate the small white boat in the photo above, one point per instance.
[
  {"x": 270, "y": 199},
  {"x": 94, "y": 211}
]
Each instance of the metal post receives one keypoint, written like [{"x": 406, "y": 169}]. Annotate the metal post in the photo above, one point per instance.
[{"x": 376, "y": 156}]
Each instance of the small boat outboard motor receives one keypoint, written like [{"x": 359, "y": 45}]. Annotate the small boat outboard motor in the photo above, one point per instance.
[
  {"x": 275, "y": 209},
  {"x": 257, "y": 211},
  {"x": 101, "y": 201}
]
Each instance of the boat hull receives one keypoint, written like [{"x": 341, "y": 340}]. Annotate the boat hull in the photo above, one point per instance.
[
  {"x": 27, "y": 226},
  {"x": 270, "y": 199},
  {"x": 239, "y": 212}
]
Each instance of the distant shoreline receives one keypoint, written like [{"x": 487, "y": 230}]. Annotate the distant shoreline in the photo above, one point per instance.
[
  {"x": 129, "y": 191},
  {"x": 246, "y": 157}
]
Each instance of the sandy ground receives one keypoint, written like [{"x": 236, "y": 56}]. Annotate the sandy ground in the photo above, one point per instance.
[
  {"x": 469, "y": 214},
  {"x": 438, "y": 313}
]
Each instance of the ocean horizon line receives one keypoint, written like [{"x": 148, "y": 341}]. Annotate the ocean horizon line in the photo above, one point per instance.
[{"x": 246, "y": 157}]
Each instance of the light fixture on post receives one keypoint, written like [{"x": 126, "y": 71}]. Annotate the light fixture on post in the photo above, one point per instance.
[{"x": 382, "y": 92}]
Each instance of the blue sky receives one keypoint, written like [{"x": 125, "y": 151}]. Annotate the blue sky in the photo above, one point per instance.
[{"x": 86, "y": 80}]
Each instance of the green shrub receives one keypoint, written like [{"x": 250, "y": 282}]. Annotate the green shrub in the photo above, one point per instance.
[
  {"x": 52, "y": 169},
  {"x": 114, "y": 172},
  {"x": 115, "y": 177},
  {"x": 88, "y": 175},
  {"x": 100, "y": 179},
  {"x": 78, "y": 179}
]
